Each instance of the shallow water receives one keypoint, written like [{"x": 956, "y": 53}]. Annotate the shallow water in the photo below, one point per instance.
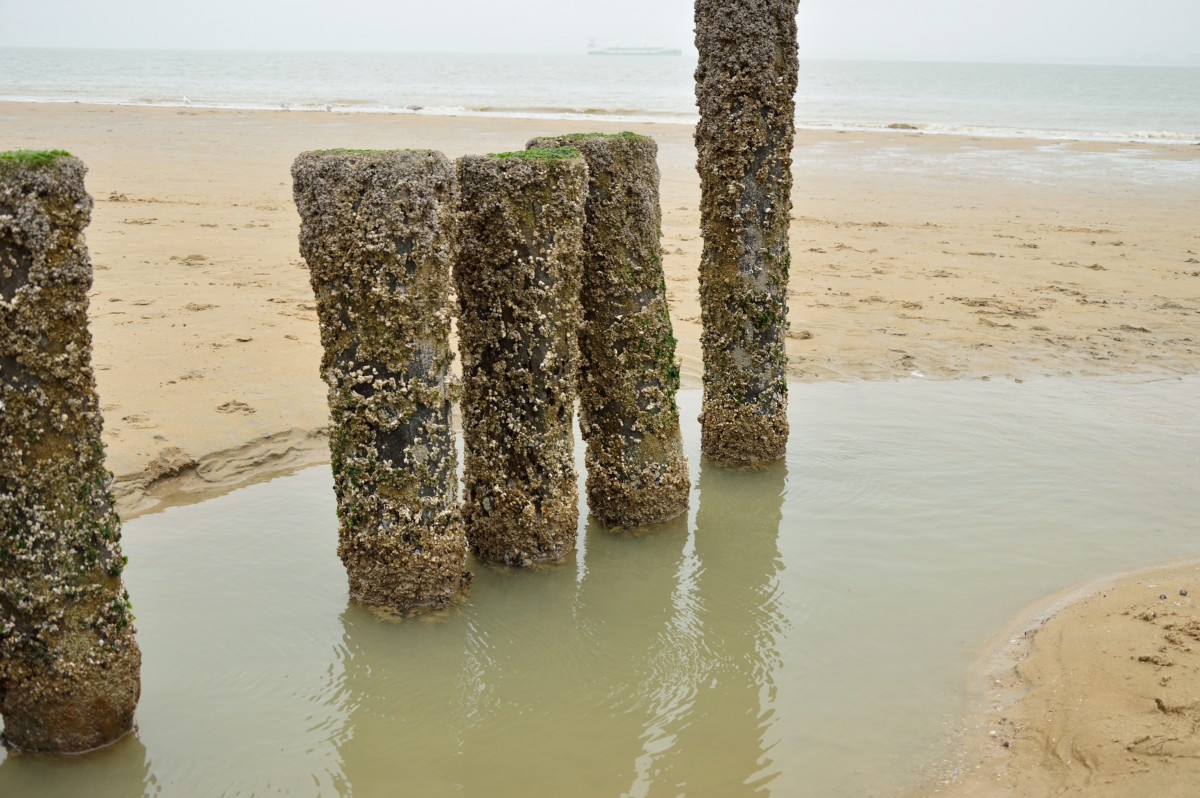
[
  {"x": 806, "y": 631},
  {"x": 1046, "y": 165}
]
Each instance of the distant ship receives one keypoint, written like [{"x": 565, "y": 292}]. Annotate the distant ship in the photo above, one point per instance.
[{"x": 593, "y": 49}]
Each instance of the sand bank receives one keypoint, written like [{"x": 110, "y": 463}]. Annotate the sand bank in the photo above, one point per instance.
[
  {"x": 914, "y": 256},
  {"x": 1094, "y": 693}
]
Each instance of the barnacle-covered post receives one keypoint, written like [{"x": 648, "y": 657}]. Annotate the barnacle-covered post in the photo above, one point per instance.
[
  {"x": 745, "y": 88},
  {"x": 636, "y": 471},
  {"x": 374, "y": 231},
  {"x": 69, "y": 664},
  {"x": 517, "y": 271}
]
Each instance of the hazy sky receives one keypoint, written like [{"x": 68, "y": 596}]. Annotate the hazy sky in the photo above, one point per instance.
[{"x": 1162, "y": 30}]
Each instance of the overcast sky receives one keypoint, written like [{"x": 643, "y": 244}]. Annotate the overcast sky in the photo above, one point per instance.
[{"x": 1146, "y": 30}]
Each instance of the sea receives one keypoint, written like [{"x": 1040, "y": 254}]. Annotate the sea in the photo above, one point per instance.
[{"x": 1041, "y": 101}]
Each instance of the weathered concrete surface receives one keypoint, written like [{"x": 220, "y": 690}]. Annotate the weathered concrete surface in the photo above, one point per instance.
[
  {"x": 745, "y": 88},
  {"x": 375, "y": 233},
  {"x": 517, "y": 271},
  {"x": 69, "y": 664},
  {"x": 636, "y": 471}
]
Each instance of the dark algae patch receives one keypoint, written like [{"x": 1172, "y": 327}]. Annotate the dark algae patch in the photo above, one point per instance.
[
  {"x": 636, "y": 471},
  {"x": 375, "y": 231},
  {"x": 745, "y": 90},
  {"x": 69, "y": 663},
  {"x": 517, "y": 271}
]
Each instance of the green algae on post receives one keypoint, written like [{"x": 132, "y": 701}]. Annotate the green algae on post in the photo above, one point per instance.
[
  {"x": 69, "y": 663},
  {"x": 745, "y": 90},
  {"x": 636, "y": 471},
  {"x": 33, "y": 157},
  {"x": 517, "y": 271},
  {"x": 538, "y": 154},
  {"x": 374, "y": 231}
]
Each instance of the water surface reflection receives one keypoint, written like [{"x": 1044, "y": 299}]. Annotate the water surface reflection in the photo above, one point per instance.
[
  {"x": 124, "y": 767},
  {"x": 561, "y": 672},
  {"x": 721, "y": 745},
  {"x": 645, "y": 669},
  {"x": 804, "y": 632}
]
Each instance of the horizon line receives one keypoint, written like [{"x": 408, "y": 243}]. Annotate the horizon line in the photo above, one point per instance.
[{"x": 688, "y": 53}]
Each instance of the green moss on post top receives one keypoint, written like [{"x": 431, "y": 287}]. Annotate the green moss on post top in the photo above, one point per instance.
[
  {"x": 375, "y": 234},
  {"x": 539, "y": 154},
  {"x": 745, "y": 91},
  {"x": 69, "y": 664},
  {"x": 636, "y": 471},
  {"x": 32, "y": 157},
  {"x": 344, "y": 151},
  {"x": 572, "y": 138},
  {"x": 517, "y": 269}
]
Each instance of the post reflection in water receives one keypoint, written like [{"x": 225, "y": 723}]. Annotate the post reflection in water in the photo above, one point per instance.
[
  {"x": 121, "y": 769},
  {"x": 646, "y": 668},
  {"x": 631, "y": 600},
  {"x": 658, "y": 663},
  {"x": 403, "y": 688},
  {"x": 548, "y": 681},
  {"x": 722, "y": 742}
]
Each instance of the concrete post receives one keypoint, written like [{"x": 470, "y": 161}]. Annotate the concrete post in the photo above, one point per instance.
[
  {"x": 374, "y": 231},
  {"x": 517, "y": 272},
  {"x": 745, "y": 88},
  {"x": 636, "y": 471},
  {"x": 69, "y": 664}
]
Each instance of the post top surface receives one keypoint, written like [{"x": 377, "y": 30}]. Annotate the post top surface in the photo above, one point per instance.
[
  {"x": 538, "y": 154},
  {"x": 32, "y": 157}
]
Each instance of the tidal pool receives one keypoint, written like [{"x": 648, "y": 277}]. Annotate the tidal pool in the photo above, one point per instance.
[{"x": 806, "y": 630}]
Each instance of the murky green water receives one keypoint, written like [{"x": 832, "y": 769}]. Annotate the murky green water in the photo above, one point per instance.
[{"x": 805, "y": 632}]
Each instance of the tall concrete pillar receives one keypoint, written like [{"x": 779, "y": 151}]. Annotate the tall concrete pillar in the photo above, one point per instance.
[
  {"x": 745, "y": 88},
  {"x": 517, "y": 271},
  {"x": 69, "y": 664},
  {"x": 636, "y": 471},
  {"x": 375, "y": 233}
]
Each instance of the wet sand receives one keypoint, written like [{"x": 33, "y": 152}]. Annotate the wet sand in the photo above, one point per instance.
[
  {"x": 913, "y": 256},
  {"x": 1094, "y": 693}
]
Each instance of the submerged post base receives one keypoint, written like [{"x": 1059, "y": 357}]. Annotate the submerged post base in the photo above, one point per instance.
[
  {"x": 416, "y": 581},
  {"x": 658, "y": 494},
  {"x": 518, "y": 532},
  {"x": 80, "y": 709},
  {"x": 740, "y": 435}
]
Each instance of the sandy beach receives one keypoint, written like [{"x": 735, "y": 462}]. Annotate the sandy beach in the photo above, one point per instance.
[{"x": 914, "y": 257}]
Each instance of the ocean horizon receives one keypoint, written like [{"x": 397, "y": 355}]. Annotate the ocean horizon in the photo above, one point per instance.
[{"x": 1089, "y": 102}]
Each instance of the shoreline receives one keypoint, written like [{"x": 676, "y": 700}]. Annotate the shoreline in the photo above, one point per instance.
[
  {"x": 1164, "y": 138},
  {"x": 915, "y": 256},
  {"x": 175, "y": 479},
  {"x": 1093, "y": 654}
]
